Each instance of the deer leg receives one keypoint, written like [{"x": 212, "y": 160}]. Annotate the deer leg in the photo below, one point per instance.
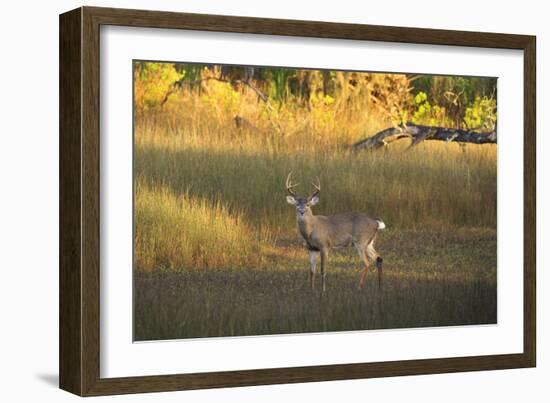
[
  {"x": 375, "y": 257},
  {"x": 324, "y": 257},
  {"x": 379, "y": 267},
  {"x": 362, "y": 255},
  {"x": 313, "y": 267}
]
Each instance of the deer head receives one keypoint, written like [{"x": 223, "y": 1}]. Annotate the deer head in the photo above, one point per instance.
[{"x": 302, "y": 204}]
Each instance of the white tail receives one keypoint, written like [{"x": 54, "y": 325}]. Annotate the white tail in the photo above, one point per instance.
[{"x": 381, "y": 224}]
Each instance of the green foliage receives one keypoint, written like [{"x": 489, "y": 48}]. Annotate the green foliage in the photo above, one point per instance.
[
  {"x": 191, "y": 72},
  {"x": 452, "y": 95},
  {"x": 426, "y": 114},
  {"x": 461, "y": 102},
  {"x": 279, "y": 89},
  {"x": 223, "y": 97},
  {"x": 422, "y": 106},
  {"x": 152, "y": 81},
  {"x": 459, "y": 90},
  {"x": 481, "y": 115}
]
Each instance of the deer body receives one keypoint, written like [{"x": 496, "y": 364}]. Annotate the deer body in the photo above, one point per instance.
[
  {"x": 322, "y": 233},
  {"x": 337, "y": 231}
]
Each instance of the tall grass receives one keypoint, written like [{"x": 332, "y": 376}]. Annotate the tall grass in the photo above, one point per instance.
[
  {"x": 176, "y": 231},
  {"x": 216, "y": 247},
  {"x": 432, "y": 278},
  {"x": 232, "y": 178}
]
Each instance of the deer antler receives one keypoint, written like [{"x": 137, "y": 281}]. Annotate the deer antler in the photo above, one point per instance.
[
  {"x": 317, "y": 189},
  {"x": 290, "y": 185}
]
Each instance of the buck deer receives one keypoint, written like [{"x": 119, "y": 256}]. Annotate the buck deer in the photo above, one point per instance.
[{"x": 322, "y": 233}]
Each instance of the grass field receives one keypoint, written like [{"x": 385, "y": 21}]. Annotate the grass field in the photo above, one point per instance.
[
  {"x": 216, "y": 247},
  {"x": 450, "y": 280}
]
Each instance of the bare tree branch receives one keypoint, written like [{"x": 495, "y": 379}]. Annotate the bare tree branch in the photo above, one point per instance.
[
  {"x": 180, "y": 83},
  {"x": 419, "y": 133}
]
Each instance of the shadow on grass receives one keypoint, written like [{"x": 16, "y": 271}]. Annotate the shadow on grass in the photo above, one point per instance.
[
  {"x": 432, "y": 278},
  {"x": 254, "y": 183},
  {"x": 238, "y": 302}
]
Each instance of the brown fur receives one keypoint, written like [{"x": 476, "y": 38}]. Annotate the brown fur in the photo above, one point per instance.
[{"x": 322, "y": 233}]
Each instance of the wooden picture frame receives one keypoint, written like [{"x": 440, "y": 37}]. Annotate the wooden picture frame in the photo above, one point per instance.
[{"x": 79, "y": 346}]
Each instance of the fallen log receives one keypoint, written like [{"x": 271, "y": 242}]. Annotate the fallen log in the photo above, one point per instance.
[{"x": 419, "y": 133}]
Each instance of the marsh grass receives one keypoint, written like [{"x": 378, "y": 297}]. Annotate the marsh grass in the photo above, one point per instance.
[
  {"x": 174, "y": 232},
  {"x": 432, "y": 186},
  {"x": 216, "y": 247},
  {"x": 451, "y": 281}
]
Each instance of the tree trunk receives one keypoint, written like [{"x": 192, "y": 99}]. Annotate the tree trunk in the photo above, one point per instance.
[{"x": 419, "y": 133}]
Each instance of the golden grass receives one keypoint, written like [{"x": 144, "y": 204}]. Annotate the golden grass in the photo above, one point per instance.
[
  {"x": 173, "y": 232},
  {"x": 211, "y": 184},
  {"x": 210, "y": 195}
]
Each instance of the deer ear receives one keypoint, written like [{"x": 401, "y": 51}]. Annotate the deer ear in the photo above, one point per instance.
[
  {"x": 291, "y": 200},
  {"x": 314, "y": 200}
]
